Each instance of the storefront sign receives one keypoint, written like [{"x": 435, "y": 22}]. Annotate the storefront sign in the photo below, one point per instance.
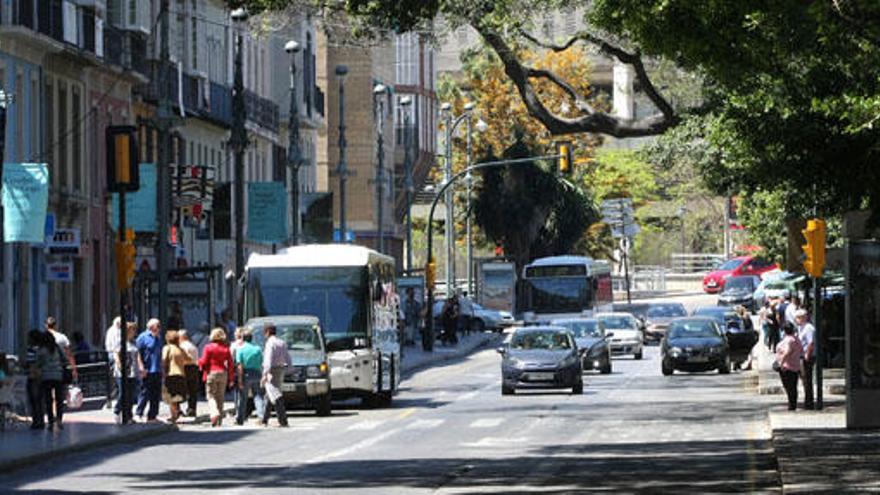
[
  {"x": 64, "y": 242},
  {"x": 140, "y": 206},
  {"x": 59, "y": 271},
  {"x": 25, "y": 200},
  {"x": 863, "y": 334}
]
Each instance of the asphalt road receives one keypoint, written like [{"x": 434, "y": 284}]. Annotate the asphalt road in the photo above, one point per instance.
[{"x": 451, "y": 431}]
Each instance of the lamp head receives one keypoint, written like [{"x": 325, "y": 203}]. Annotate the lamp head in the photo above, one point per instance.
[
  {"x": 379, "y": 89},
  {"x": 482, "y": 126},
  {"x": 291, "y": 46},
  {"x": 406, "y": 101},
  {"x": 469, "y": 106},
  {"x": 445, "y": 106},
  {"x": 239, "y": 14},
  {"x": 341, "y": 70}
]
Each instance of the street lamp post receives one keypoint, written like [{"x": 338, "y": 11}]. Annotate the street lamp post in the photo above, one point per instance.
[
  {"x": 409, "y": 187},
  {"x": 294, "y": 153},
  {"x": 238, "y": 143},
  {"x": 469, "y": 182},
  {"x": 451, "y": 124},
  {"x": 379, "y": 113},
  {"x": 342, "y": 168}
]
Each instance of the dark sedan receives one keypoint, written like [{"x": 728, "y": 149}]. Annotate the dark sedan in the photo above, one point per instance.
[
  {"x": 740, "y": 291},
  {"x": 592, "y": 340},
  {"x": 741, "y": 335},
  {"x": 694, "y": 344},
  {"x": 541, "y": 357}
]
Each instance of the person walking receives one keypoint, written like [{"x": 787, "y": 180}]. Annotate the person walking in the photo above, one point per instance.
[
  {"x": 412, "y": 316},
  {"x": 125, "y": 402},
  {"x": 789, "y": 354},
  {"x": 450, "y": 320},
  {"x": 275, "y": 360},
  {"x": 249, "y": 366},
  {"x": 40, "y": 344},
  {"x": 111, "y": 342},
  {"x": 149, "y": 346},
  {"x": 64, "y": 343},
  {"x": 174, "y": 361},
  {"x": 216, "y": 365},
  {"x": 53, "y": 388},
  {"x": 807, "y": 337},
  {"x": 191, "y": 370},
  {"x": 774, "y": 329}
]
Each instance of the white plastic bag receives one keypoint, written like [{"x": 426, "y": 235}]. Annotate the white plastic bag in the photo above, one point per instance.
[{"x": 74, "y": 397}]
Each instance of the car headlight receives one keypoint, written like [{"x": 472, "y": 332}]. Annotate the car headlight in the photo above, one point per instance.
[
  {"x": 675, "y": 351},
  {"x": 516, "y": 363},
  {"x": 317, "y": 371}
]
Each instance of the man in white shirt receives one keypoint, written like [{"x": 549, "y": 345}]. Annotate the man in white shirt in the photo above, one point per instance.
[
  {"x": 791, "y": 310},
  {"x": 112, "y": 345},
  {"x": 807, "y": 336},
  {"x": 275, "y": 360}
]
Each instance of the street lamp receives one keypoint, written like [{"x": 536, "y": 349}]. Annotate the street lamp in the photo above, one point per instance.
[
  {"x": 238, "y": 143},
  {"x": 451, "y": 124},
  {"x": 294, "y": 153},
  {"x": 342, "y": 168},
  {"x": 379, "y": 91},
  {"x": 409, "y": 187},
  {"x": 481, "y": 126}
]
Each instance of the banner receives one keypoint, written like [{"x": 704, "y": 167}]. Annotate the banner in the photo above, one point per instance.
[
  {"x": 140, "y": 206},
  {"x": 266, "y": 212},
  {"x": 25, "y": 201}
]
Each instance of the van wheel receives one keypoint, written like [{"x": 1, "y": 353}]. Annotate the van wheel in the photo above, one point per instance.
[
  {"x": 323, "y": 405},
  {"x": 666, "y": 368}
]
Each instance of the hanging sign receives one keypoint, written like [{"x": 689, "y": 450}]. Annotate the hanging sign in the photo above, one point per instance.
[
  {"x": 25, "y": 201},
  {"x": 267, "y": 212}
]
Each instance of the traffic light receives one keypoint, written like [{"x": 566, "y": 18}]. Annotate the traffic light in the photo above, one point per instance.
[
  {"x": 814, "y": 249},
  {"x": 565, "y": 162},
  {"x": 122, "y": 159},
  {"x": 126, "y": 253},
  {"x": 430, "y": 274}
]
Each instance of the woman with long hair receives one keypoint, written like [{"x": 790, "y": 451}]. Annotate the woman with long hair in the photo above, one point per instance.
[{"x": 789, "y": 353}]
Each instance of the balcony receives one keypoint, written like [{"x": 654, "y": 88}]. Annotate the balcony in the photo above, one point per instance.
[
  {"x": 261, "y": 111},
  {"x": 220, "y": 104}
]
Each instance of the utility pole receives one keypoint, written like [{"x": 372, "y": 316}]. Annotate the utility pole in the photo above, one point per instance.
[
  {"x": 379, "y": 113},
  {"x": 238, "y": 142},
  {"x": 164, "y": 123},
  {"x": 469, "y": 183},
  {"x": 409, "y": 187},
  {"x": 450, "y": 207},
  {"x": 294, "y": 153},
  {"x": 342, "y": 168}
]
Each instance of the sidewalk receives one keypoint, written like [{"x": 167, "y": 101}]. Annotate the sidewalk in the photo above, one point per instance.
[
  {"x": 89, "y": 429},
  {"x": 769, "y": 383}
]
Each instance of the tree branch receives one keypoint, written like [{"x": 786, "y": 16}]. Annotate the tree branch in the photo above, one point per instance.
[
  {"x": 595, "y": 122},
  {"x": 555, "y": 79}
]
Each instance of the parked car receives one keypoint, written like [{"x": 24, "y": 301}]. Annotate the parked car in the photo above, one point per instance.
[
  {"x": 658, "y": 317},
  {"x": 694, "y": 344},
  {"x": 490, "y": 319},
  {"x": 741, "y": 265},
  {"x": 307, "y": 382},
  {"x": 541, "y": 357},
  {"x": 590, "y": 334},
  {"x": 741, "y": 336},
  {"x": 740, "y": 291},
  {"x": 628, "y": 338}
]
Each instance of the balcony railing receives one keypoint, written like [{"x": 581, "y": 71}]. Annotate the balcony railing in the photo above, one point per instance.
[
  {"x": 220, "y": 107},
  {"x": 261, "y": 111}
]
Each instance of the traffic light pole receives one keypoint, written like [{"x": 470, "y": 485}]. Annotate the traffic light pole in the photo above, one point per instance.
[
  {"x": 429, "y": 324},
  {"x": 123, "y": 342},
  {"x": 817, "y": 341}
]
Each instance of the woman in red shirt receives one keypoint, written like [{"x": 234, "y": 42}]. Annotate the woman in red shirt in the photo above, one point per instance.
[{"x": 216, "y": 366}]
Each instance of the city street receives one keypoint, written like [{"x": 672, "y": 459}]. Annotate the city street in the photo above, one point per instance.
[{"x": 450, "y": 431}]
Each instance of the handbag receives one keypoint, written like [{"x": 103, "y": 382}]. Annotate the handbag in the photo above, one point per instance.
[
  {"x": 74, "y": 397},
  {"x": 777, "y": 367}
]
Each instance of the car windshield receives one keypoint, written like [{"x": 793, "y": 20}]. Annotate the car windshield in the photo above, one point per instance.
[
  {"x": 638, "y": 310},
  {"x": 298, "y": 337},
  {"x": 583, "y": 328},
  {"x": 666, "y": 311},
  {"x": 737, "y": 283},
  {"x": 544, "y": 340},
  {"x": 730, "y": 264},
  {"x": 692, "y": 329},
  {"x": 621, "y": 322}
]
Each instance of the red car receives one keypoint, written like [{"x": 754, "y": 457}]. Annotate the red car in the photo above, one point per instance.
[{"x": 734, "y": 267}]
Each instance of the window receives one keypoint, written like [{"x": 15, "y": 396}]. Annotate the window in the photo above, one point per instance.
[
  {"x": 62, "y": 135},
  {"x": 50, "y": 132},
  {"x": 77, "y": 137},
  {"x": 19, "y": 103},
  {"x": 194, "y": 45},
  {"x": 35, "y": 114}
]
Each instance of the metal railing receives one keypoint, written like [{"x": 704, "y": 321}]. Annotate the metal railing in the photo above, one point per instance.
[
  {"x": 694, "y": 263},
  {"x": 643, "y": 279}
]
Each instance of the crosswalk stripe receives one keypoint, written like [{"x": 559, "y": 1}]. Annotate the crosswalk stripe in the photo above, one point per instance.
[
  {"x": 487, "y": 422},
  {"x": 365, "y": 425},
  {"x": 424, "y": 424}
]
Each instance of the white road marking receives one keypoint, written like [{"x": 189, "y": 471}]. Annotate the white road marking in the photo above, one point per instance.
[
  {"x": 425, "y": 424},
  {"x": 487, "y": 422},
  {"x": 365, "y": 425},
  {"x": 369, "y": 442},
  {"x": 468, "y": 396},
  {"x": 488, "y": 442}
]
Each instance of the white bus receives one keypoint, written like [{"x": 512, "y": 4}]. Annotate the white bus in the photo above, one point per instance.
[
  {"x": 352, "y": 291},
  {"x": 565, "y": 287}
]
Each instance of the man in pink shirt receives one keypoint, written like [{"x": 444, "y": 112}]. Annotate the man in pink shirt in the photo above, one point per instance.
[{"x": 789, "y": 353}]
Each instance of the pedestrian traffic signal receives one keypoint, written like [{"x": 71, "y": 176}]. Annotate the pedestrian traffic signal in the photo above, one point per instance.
[
  {"x": 122, "y": 159},
  {"x": 430, "y": 274},
  {"x": 126, "y": 253},
  {"x": 565, "y": 162},
  {"x": 814, "y": 249}
]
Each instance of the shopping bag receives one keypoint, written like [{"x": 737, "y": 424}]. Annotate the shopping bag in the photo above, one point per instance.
[{"x": 74, "y": 397}]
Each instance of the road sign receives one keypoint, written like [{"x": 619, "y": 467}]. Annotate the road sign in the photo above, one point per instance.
[
  {"x": 617, "y": 203},
  {"x": 631, "y": 230},
  {"x": 59, "y": 271}
]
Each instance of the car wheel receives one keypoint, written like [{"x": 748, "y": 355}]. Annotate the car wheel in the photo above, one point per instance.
[
  {"x": 505, "y": 390},
  {"x": 324, "y": 406},
  {"x": 638, "y": 355},
  {"x": 578, "y": 388},
  {"x": 724, "y": 369},
  {"x": 666, "y": 368},
  {"x": 606, "y": 369},
  {"x": 478, "y": 325}
]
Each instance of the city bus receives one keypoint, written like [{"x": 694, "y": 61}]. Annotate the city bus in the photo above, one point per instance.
[
  {"x": 352, "y": 291},
  {"x": 565, "y": 287}
]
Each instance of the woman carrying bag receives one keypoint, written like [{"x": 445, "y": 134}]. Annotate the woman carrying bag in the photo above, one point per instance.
[
  {"x": 789, "y": 353},
  {"x": 174, "y": 361}
]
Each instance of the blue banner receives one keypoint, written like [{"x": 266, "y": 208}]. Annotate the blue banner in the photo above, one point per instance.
[
  {"x": 140, "y": 206},
  {"x": 25, "y": 201},
  {"x": 267, "y": 212}
]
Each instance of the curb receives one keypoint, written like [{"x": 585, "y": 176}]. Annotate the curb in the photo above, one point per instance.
[
  {"x": 463, "y": 352},
  {"x": 132, "y": 436}
]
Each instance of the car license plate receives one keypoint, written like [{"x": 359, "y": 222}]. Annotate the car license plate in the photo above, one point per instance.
[
  {"x": 541, "y": 376},
  {"x": 288, "y": 387},
  {"x": 711, "y": 283},
  {"x": 699, "y": 359}
]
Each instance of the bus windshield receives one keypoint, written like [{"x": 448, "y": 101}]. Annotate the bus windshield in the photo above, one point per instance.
[
  {"x": 337, "y": 296},
  {"x": 558, "y": 295}
]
